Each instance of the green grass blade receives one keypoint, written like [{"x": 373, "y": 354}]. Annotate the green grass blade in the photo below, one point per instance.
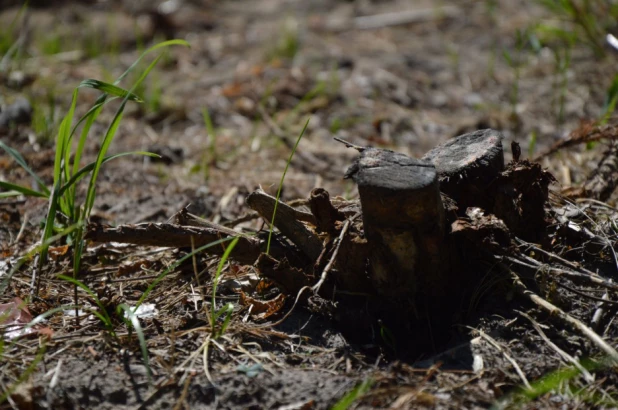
[
  {"x": 78, "y": 250},
  {"x": 140, "y": 336},
  {"x": 611, "y": 98},
  {"x": 215, "y": 283},
  {"x": 554, "y": 382},
  {"x": 532, "y": 144},
  {"x": 103, "y": 318},
  {"x": 9, "y": 194},
  {"x": 50, "y": 312},
  {"x": 175, "y": 265},
  {"x": 92, "y": 114},
  {"x": 107, "y": 140},
  {"x": 347, "y": 400},
  {"x": 40, "y": 318},
  {"x": 49, "y": 224},
  {"x": 9, "y": 46},
  {"x": 107, "y": 321},
  {"x": 21, "y": 190},
  {"x": 226, "y": 254},
  {"x": 224, "y": 310},
  {"x": 145, "y": 73},
  {"x": 150, "y": 50},
  {"x": 287, "y": 165},
  {"x": 22, "y": 162},
  {"x": 63, "y": 142},
  {"x": 83, "y": 286},
  {"x": 18, "y": 16},
  {"x": 318, "y": 89},
  {"x": 85, "y": 170},
  {"x": 228, "y": 310},
  {"x": 63, "y": 152},
  {"x": 111, "y": 89}
]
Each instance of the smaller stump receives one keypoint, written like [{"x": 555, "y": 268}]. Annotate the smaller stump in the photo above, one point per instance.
[{"x": 467, "y": 165}]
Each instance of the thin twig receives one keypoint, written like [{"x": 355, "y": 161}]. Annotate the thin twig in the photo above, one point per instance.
[
  {"x": 349, "y": 144},
  {"x": 582, "y": 294},
  {"x": 597, "y": 202},
  {"x": 534, "y": 264},
  {"x": 21, "y": 228},
  {"x": 377, "y": 21},
  {"x": 554, "y": 311},
  {"x": 331, "y": 262},
  {"x": 603, "y": 239},
  {"x": 599, "y": 312},
  {"x": 495, "y": 344},
  {"x": 567, "y": 357},
  {"x": 404, "y": 17},
  {"x": 54, "y": 381},
  {"x": 35, "y": 282},
  {"x": 554, "y": 256},
  {"x": 183, "y": 396},
  {"x": 582, "y": 136},
  {"x": 244, "y": 351}
]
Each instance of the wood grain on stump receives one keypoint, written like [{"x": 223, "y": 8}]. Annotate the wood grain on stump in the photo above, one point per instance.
[{"x": 467, "y": 164}]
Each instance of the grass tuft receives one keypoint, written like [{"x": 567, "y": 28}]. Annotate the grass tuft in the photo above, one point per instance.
[
  {"x": 227, "y": 310},
  {"x": 588, "y": 20},
  {"x": 356, "y": 393},
  {"x": 561, "y": 382}
]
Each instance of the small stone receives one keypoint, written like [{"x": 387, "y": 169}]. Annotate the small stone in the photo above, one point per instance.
[{"x": 20, "y": 112}]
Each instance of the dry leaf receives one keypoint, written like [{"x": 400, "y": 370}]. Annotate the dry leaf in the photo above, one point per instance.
[
  {"x": 263, "y": 309},
  {"x": 128, "y": 268},
  {"x": 56, "y": 252},
  {"x": 14, "y": 316}
]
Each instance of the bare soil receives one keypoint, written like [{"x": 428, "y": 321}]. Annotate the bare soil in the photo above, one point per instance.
[{"x": 262, "y": 68}]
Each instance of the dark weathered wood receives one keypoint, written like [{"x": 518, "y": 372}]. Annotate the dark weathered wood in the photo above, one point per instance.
[
  {"x": 325, "y": 213},
  {"x": 290, "y": 279},
  {"x": 519, "y": 196},
  {"x": 602, "y": 182},
  {"x": 515, "y": 150},
  {"x": 287, "y": 221},
  {"x": 467, "y": 164},
  {"x": 403, "y": 218},
  {"x": 185, "y": 218}
]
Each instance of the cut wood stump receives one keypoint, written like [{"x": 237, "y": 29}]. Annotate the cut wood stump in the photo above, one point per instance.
[
  {"x": 404, "y": 223},
  {"x": 403, "y": 267},
  {"x": 466, "y": 165}
]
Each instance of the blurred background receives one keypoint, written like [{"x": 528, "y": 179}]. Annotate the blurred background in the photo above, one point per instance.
[{"x": 224, "y": 113}]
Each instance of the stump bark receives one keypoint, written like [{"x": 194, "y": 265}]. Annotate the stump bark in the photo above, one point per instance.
[{"x": 404, "y": 223}]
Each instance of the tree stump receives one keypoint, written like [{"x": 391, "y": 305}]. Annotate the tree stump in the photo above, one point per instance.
[
  {"x": 466, "y": 165},
  {"x": 404, "y": 224}
]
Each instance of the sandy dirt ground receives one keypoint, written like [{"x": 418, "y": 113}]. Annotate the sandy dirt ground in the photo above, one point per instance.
[{"x": 401, "y": 75}]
